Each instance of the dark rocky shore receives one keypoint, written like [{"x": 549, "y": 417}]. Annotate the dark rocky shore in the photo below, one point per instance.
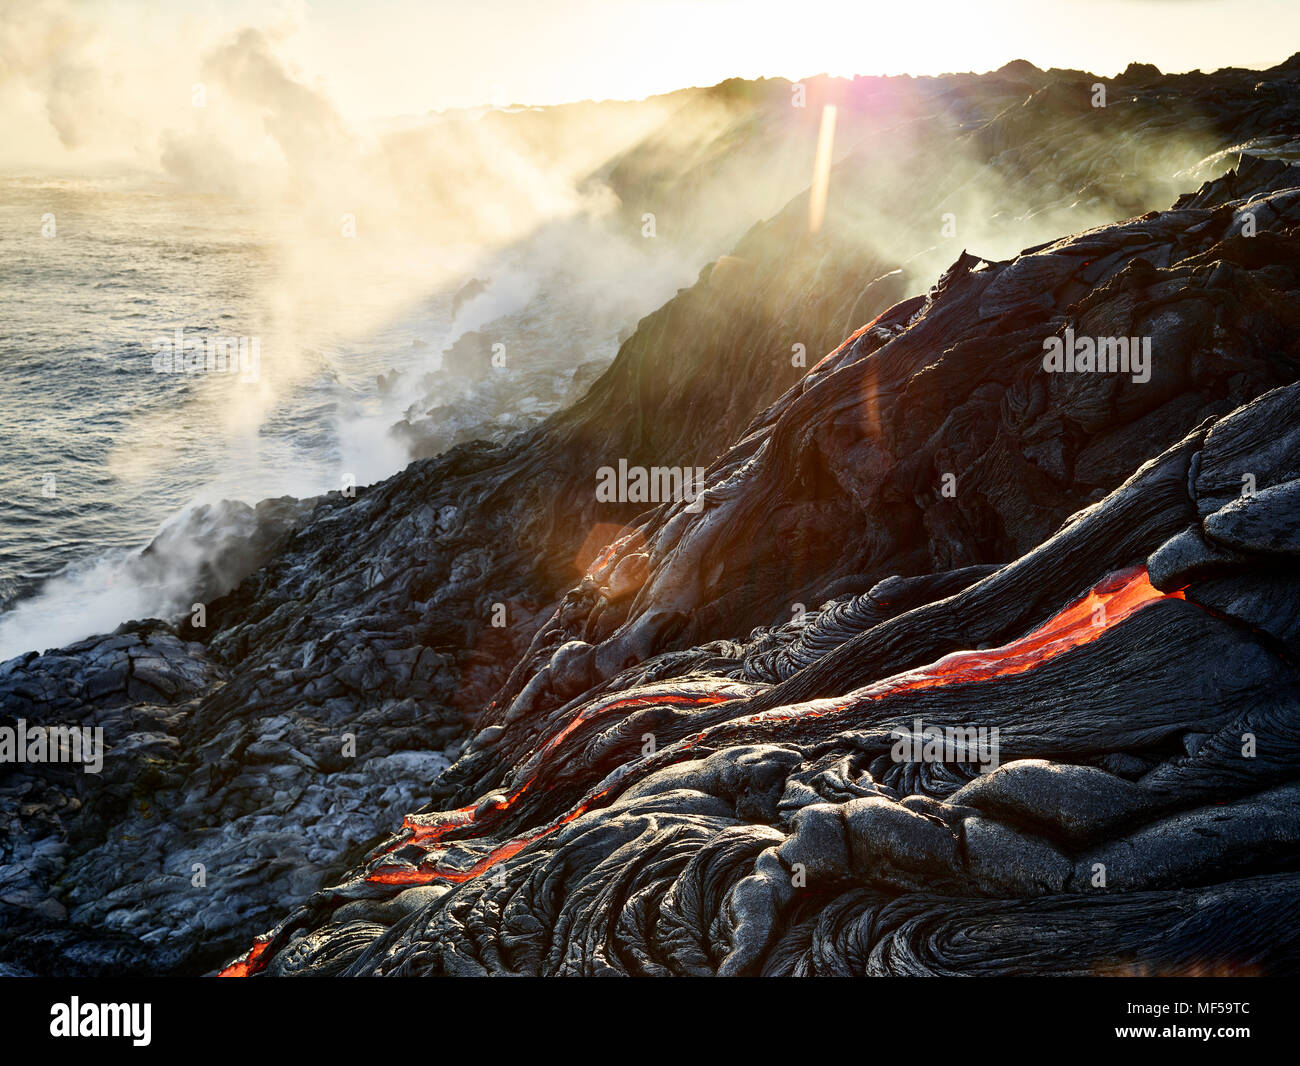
[{"x": 674, "y": 756}]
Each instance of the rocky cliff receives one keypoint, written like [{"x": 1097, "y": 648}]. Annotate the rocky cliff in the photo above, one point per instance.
[{"x": 476, "y": 719}]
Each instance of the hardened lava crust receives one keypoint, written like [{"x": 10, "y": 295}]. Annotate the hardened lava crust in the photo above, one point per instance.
[
  {"x": 648, "y": 797},
  {"x": 1073, "y": 596}
]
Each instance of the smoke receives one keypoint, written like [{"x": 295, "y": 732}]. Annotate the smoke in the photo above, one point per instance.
[
  {"x": 48, "y": 48},
  {"x": 64, "y": 611},
  {"x": 580, "y": 218},
  {"x": 366, "y": 234},
  {"x": 197, "y": 556},
  {"x": 365, "y": 228}
]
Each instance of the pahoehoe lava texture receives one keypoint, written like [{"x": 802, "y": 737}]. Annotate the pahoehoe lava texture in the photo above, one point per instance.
[
  {"x": 651, "y": 793},
  {"x": 676, "y": 757}
]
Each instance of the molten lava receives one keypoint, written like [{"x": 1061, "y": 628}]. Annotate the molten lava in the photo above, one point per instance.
[
  {"x": 1116, "y": 598},
  {"x": 1113, "y": 600},
  {"x": 249, "y": 963},
  {"x": 432, "y": 827}
]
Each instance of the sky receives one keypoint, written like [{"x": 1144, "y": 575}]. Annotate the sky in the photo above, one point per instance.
[
  {"x": 78, "y": 75},
  {"x": 400, "y": 56}
]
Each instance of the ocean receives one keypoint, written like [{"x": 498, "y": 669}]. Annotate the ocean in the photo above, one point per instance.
[{"x": 100, "y": 450}]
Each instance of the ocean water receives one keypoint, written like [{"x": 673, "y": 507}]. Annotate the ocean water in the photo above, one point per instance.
[{"x": 99, "y": 451}]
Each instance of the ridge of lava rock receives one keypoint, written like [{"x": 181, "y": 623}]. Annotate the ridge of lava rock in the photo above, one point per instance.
[
  {"x": 824, "y": 561},
  {"x": 1117, "y": 721}
]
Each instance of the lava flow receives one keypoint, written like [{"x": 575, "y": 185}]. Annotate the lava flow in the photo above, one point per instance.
[
  {"x": 846, "y": 342},
  {"x": 432, "y": 827},
  {"x": 1109, "y": 603},
  {"x": 249, "y": 963}
]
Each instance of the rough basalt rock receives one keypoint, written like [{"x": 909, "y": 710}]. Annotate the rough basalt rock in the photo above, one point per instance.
[
  {"x": 685, "y": 704},
  {"x": 1149, "y": 774},
  {"x": 714, "y": 804}
]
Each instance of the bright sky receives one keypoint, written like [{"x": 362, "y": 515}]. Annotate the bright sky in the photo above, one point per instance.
[
  {"x": 394, "y": 56},
  {"x": 114, "y": 70}
]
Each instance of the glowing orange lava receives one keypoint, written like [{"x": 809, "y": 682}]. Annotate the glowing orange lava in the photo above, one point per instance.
[
  {"x": 1118, "y": 597},
  {"x": 249, "y": 963},
  {"x": 1112, "y": 601},
  {"x": 429, "y": 827},
  {"x": 847, "y": 341}
]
